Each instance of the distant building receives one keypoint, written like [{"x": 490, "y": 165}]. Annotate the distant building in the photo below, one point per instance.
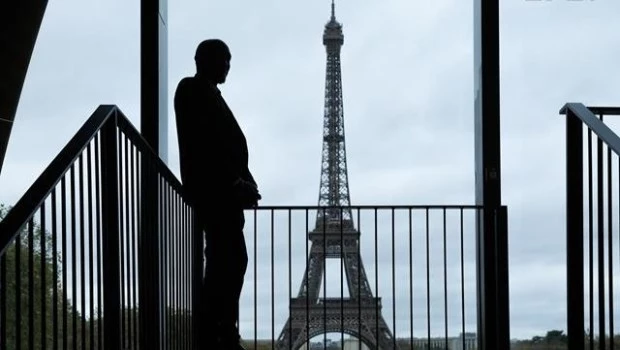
[
  {"x": 465, "y": 341},
  {"x": 354, "y": 344}
]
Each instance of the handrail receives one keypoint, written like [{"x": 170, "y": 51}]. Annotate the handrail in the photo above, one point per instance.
[
  {"x": 368, "y": 206},
  {"x": 587, "y": 116},
  {"x": 22, "y": 211},
  {"x": 142, "y": 145}
]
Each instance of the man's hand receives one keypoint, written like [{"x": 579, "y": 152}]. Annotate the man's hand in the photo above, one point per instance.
[{"x": 247, "y": 193}]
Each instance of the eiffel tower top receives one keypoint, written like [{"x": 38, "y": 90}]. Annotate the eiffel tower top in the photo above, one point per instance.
[
  {"x": 334, "y": 189},
  {"x": 332, "y": 36}
]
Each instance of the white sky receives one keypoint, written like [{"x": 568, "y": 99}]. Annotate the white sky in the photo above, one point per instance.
[{"x": 408, "y": 102}]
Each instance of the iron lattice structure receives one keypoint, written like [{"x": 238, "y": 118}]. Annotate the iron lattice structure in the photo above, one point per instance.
[{"x": 335, "y": 236}]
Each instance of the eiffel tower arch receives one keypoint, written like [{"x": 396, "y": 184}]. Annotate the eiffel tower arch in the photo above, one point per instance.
[{"x": 335, "y": 236}]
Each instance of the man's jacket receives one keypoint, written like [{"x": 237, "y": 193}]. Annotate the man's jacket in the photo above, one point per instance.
[{"x": 213, "y": 151}]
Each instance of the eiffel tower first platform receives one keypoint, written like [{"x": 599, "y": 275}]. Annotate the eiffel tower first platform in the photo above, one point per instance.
[{"x": 335, "y": 236}]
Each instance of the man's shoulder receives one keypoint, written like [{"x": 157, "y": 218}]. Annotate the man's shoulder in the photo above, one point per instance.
[
  {"x": 193, "y": 84},
  {"x": 186, "y": 83}
]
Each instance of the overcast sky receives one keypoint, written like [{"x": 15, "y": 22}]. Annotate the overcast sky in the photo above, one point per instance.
[{"x": 407, "y": 68}]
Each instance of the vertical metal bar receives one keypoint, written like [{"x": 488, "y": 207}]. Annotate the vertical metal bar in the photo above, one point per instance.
[
  {"x": 89, "y": 182},
  {"x": 30, "y": 284},
  {"x": 359, "y": 278},
  {"x": 501, "y": 262},
  {"x": 98, "y": 233},
  {"x": 290, "y": 276},
  {"x": 176, "y": 284},
  {"x": 342, "y": 257},
  {"x": 393, "y": 278},
  {"x": 272, "y": 282},
  {"x": 306, "y": 279},
  {"x": 179, "y": 270},
  {"x": 610, "y": 248},
  {"x": 122, "y": 233},
  {"x": 185, "y": 282},
  {"x": 188, "y": 270},
  {"x": 324, "y": 262},
  {"x": 82, "y": 249},
  {"x": 74, "y": 320},
  {"x": 255, "y": 281},
  {"x": 377, "y": 306},
  {"x": 590, "y": 241},
  {"x": 410, "y": 276},
  {"x": 197, "y": 274},
  {"x": 168, "y": 260},
  {"x": 134, "y": 224},
  {"x": 163, "y": 258},
  {"x": 600, "y": 241},
  {"x": 64, "y": 249},
  {"x": 428, "y": 281},
  {"x": 574, "y": 232},
  {"x": 462, "y": 279},
  {"x": 18, "y": 291},
  {"x": 127, "y": 305},
  {"x": 445, "y": 277},
  {"x": 43, "y": 277},
  {"x": 110, "y": 231},
  {"x": 55, "y": 274}
]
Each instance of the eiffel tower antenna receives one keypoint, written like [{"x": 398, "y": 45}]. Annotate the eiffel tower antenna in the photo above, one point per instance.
[{"x": 335, "y": 236}]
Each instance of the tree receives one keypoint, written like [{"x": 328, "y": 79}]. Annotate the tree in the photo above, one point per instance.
[{"x": 29, "y": 306}]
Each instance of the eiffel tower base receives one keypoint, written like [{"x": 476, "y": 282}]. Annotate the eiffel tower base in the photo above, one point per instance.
[{"x": 359, "y": 318}]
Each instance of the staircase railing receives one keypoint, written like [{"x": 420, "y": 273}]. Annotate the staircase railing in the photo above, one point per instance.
[
  {"x": 98, "y": 252},
  {"x": 592, "y": 197}
]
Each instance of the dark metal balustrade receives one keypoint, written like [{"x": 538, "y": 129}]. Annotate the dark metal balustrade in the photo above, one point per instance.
[
  {"x": 420, "y": 262},
  {"x": 99, "y": 254},
  {"x": 592, "y": 226},
  {"x": 76, "y": 249}
]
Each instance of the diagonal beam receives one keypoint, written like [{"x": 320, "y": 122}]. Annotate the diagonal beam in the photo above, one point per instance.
[{"x": 19, "y": 27}]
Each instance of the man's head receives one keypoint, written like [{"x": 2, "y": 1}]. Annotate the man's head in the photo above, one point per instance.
[{"x": 213, "y": 60}]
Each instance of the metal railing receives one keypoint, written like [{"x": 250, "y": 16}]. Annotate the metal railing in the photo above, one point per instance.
[
  {"x": 420, "y": 264},
  {"x": 592, "y": 197},
  {"x": 97, "y": 253}
]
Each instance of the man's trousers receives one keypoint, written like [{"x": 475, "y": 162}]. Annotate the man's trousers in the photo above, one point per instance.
[{"x": 226, "y": 261}]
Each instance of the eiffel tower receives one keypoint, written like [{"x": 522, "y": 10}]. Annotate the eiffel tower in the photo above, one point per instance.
[{"x": 335, "y": 236}]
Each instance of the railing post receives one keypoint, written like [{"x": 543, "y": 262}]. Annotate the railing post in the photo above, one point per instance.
[
  {"x": 110, "y": 235},
  {"x": 574, "y": 232},
  {"x": 501, "y": 259},
  {"x": 151, "y": 330},
  {"x": 197, "y": 273},
  {"x": 492, "y": 278}
]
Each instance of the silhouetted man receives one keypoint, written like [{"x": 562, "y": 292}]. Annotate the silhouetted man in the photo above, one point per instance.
[{"x": 218, "y": 184}]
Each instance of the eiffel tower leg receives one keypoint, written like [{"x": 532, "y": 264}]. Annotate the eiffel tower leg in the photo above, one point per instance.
[
  {"x": 287, "y": 338},
  {"x": 359, "y": 287},
  {"x": 311, "y": 284}
]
